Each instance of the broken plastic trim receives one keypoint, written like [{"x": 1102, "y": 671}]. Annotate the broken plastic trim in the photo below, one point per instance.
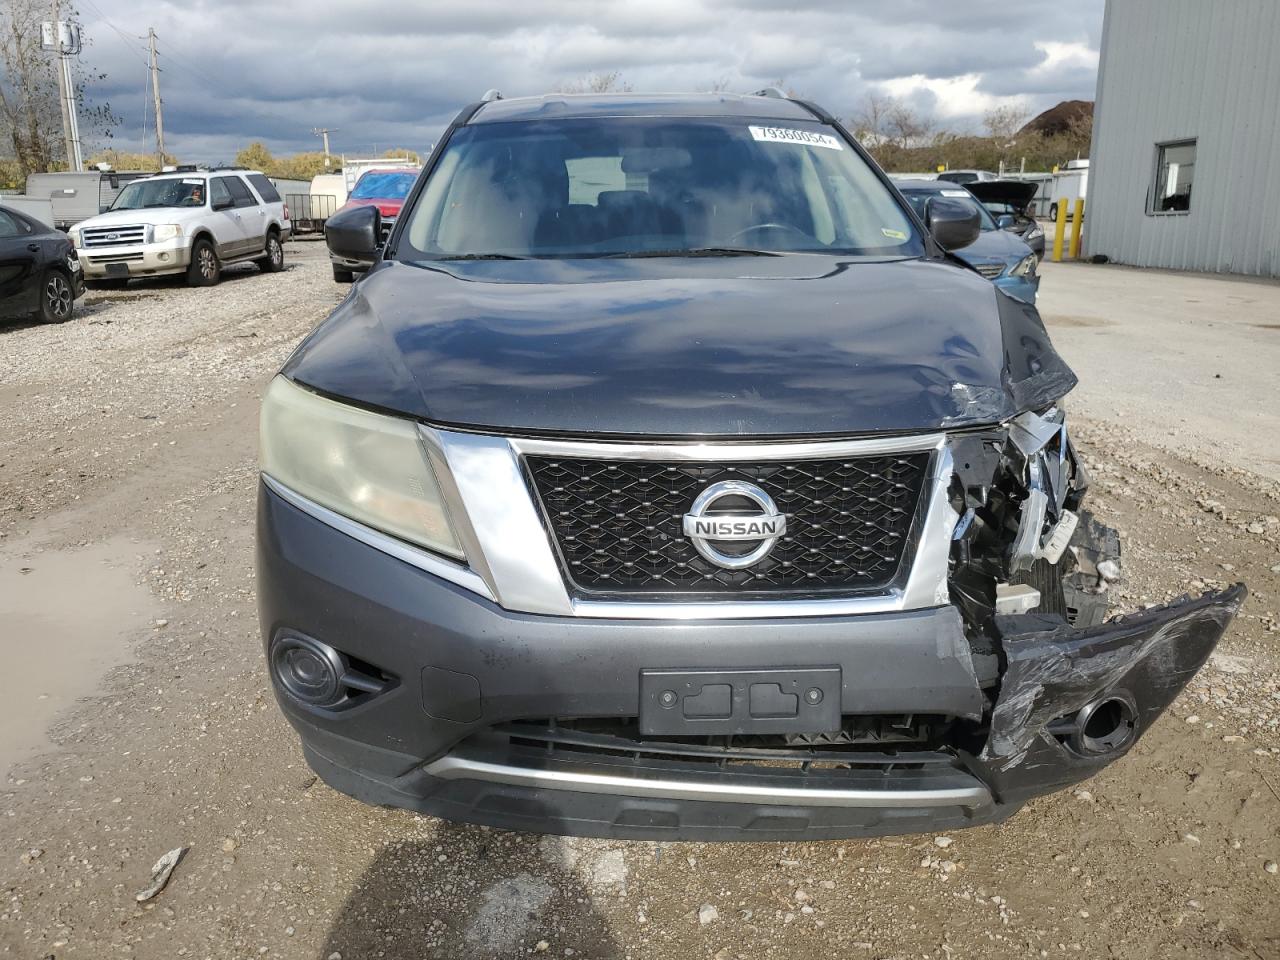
[{"x": 1054, "y": 671}]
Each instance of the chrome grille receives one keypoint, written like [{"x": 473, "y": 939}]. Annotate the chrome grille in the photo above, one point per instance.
[
  {"x": 92, "y": 237},
  {"x": 990, "y": 270},
  {"x": 618, "y": 523}
]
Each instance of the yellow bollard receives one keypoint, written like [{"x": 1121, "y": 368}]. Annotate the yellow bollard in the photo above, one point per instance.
[
  {"x": 1077, "y": 224},
  {"x": 1059, "y": 230}
]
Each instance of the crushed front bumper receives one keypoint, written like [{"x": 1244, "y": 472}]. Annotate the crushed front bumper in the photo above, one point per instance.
[{"x": 435, "y": 737}]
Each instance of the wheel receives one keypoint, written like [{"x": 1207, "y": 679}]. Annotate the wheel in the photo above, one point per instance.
[
  {"x": 205, "y": 270},
  {"x": 343, "y": 276},
  {"x": 113, "y": 284},
  {"x": 273, "y": 262},
  {"x": 56, "y": 298},
  {"x": 1053, "y": 211}
]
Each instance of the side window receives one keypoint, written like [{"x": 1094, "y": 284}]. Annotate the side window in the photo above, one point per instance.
[
  {"x": 11, "y": 226},
  {"x": 218, "y": 192},
  {"x": 266, "y": 189},
  {"x": 240, "y": 193},
  {"x": 1175, "y": 169}
]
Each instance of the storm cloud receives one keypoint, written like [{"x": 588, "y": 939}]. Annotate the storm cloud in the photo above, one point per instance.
[{"x": 392, "y": 75}]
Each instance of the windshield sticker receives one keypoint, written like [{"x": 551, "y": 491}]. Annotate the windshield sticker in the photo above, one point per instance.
[
  {"x": 956, "y": 193},
  {"x": 804, "y": 138},
  {"x": 893, "y": 234},
  {"x": 198, "y": 183}
]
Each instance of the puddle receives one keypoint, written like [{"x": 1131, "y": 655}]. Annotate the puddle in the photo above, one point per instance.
[{"x": 66, "y": 617}]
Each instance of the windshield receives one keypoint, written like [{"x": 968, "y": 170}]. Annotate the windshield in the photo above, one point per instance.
[
  {"x": 919, "y": 201},
  {"x": 383, "y": 186},
  {"x": 653, "y": 187},
  {"x": 173, "y": 192}
]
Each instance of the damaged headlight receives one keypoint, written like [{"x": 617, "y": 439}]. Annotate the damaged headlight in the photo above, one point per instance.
[
  {"x": 1025, "y": 267},
  {"x": 368, "y": 467}
]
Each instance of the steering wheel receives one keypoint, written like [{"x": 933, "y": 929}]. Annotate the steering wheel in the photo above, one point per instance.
[{"x": 770, "y": 226}]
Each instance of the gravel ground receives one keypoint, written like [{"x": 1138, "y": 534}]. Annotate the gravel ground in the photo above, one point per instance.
[{"x": 135, "y": 424}]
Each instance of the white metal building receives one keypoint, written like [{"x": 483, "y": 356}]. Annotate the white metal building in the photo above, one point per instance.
[{"x": 1185, "y": 166}]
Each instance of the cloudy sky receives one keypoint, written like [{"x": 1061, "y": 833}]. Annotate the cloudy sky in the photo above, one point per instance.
[{"x": 392, "y": 74}]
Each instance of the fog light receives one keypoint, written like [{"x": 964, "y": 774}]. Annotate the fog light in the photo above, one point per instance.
[
  {"x": 163, "y": 257},
  {"x": 309, "y": 670}
]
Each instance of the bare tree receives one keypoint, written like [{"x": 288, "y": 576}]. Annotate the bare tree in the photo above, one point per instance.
[
  {"x": 870, "y": 123},
  {"x": 30, "y": 111},
  {"x": 1004, "y": 122},
  {"x": 906, "y": 127},
  {"x": 610, "y": 82}
]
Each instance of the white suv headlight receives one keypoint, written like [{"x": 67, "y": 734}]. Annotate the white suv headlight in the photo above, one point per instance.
[
  {"x": 365, "y": 466},
  {"x": 166, "y": 231}
]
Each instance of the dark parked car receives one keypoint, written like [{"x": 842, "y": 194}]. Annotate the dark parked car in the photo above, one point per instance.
[
  {"x": 40, "y": 275},
  {"x": 1000, "y": 256},
  {"x": 383, "y": 189},
  {"x": 1009, "y": 202},
  {"x": 667, "y": 477}
]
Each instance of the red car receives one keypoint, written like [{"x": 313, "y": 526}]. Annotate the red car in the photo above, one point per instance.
[{"x": 384, "y": 189}]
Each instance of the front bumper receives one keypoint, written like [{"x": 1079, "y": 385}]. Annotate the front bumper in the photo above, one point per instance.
[
  {"x": 148, "y": 260},
  {"x": 462, "y": 666}
]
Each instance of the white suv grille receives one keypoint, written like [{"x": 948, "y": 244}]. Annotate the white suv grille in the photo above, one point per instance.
[{"x": 114, "y": 236}]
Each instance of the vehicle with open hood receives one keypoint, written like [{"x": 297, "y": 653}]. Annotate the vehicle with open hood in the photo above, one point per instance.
[
  {"x": 1009, "y": 202},
  {"x": 668, "y": 476}
]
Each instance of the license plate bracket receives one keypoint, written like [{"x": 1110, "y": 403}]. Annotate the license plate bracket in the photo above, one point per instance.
[
  {"x": 720, "y": 702},
  {"x": 117, "y": 271}
]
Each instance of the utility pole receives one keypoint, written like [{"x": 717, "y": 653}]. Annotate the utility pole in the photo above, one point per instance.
[
  {"x": 62, "y": 38},
  {"x": 155, "y": 91},
  {"x": 324, "y": 132}
]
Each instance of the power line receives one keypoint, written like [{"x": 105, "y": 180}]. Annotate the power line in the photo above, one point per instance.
[{"x": 135, "y": 47}]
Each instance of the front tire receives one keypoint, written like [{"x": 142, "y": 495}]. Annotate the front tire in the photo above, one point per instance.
[
  {"x": 205, "y": 269},
  {"x": 273, "y": 262},
  {"x": 1053, "y": 211},
  {"x": 343, "y": 276},
  {"x": 57, "y": 298}
]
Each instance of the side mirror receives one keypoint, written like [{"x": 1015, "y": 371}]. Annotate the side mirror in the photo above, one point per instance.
[
  {"x": 953, "y": 223},
  {"x": 1006, "y": 222},
  {"x": 354, "y": 234}
]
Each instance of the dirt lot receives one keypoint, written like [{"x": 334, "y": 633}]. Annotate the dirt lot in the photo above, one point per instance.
[{"x": 127, "y": 478}]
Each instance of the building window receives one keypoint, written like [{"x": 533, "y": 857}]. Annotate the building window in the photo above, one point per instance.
[{"x": 1175, "y": 170}]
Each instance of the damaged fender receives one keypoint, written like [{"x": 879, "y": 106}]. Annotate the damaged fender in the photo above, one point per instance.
[{"x": 1054, "y": 672}]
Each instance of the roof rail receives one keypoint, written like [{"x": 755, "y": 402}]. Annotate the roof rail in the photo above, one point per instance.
[
  {"x": 773, "y": 92},
  {"x": 490, "y": 95}
]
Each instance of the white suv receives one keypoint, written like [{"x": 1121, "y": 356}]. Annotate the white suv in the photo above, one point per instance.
[{"x": 190, "y": 221}]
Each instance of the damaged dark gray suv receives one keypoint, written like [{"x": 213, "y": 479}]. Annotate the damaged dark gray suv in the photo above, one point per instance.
[{"x": 667, "y": 477}]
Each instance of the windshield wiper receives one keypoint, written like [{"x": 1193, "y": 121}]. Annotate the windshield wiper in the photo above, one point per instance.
[
  {"x": 693, "y": 252},
  {"x": 481, "y": 256}
]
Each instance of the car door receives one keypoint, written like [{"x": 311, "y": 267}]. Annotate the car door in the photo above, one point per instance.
[
  {"x": 19, "y": 257},
  {"x": 228, "y": 231},
  {"x": 250, "y": 215}
]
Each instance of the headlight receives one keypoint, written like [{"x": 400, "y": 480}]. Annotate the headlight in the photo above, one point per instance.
[
  {"x": 1024, "y": 267},
  {"x": 365, "y": 466},
  {"x": 1035, "y": 233},
  {"x": 75, "y": 238},
  {"x": 166, "y": 231}
]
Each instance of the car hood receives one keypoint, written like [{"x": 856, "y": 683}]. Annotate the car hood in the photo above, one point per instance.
[
  {"x": 1002, "y": 245},
  {"x": 388, "y": 208},
  {"x": 149, "y": 215},
  {"x": 1017, "y": 193},
  {"x": 790, "y": 346}
]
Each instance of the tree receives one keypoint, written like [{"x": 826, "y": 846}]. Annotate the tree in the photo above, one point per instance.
[
  {"x": 30, "y": 107},
  {"x": 1004, "y": 122},
  {"x": 610, "y": 82},
  {"x": 256, "y": 156}
]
